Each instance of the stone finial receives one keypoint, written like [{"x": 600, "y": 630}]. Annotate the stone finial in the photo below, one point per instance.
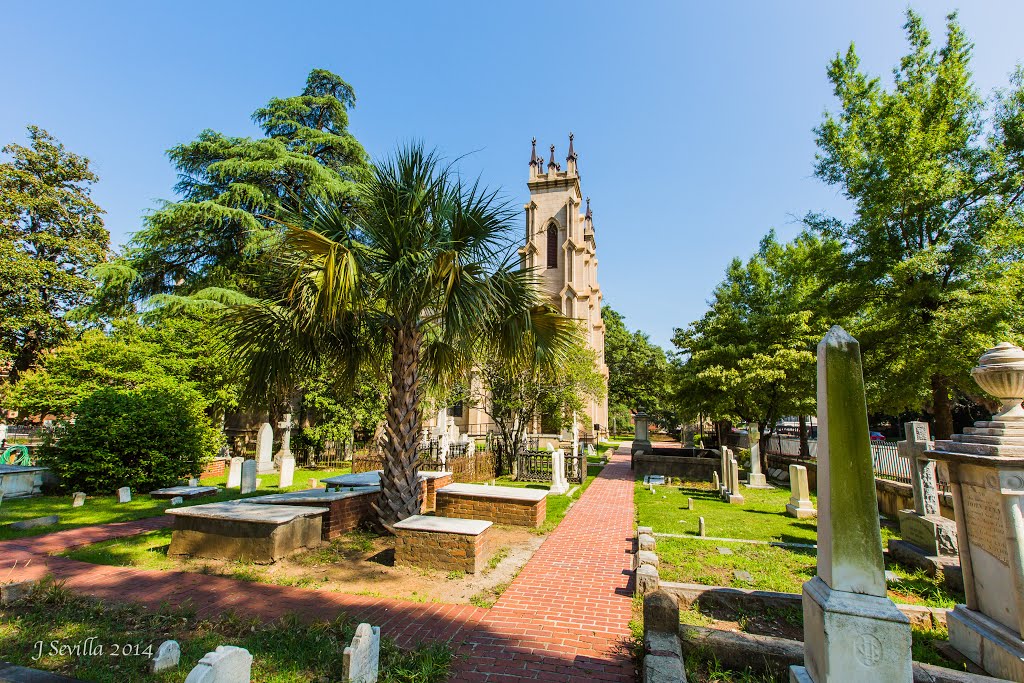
[
  {"x": 1000, "y": 372},
  {"x": 534, "y": 160},
  {"x": 589, "y": 214},
  {"x": 572, "y": 152},
  {"x": 551, "y": 163}
]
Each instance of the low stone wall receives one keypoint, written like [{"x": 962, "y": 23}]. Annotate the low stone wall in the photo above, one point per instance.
[
  {"x": 215, "y": 468},
  {"x": 497, "y": 510},
  {"x": 692, "y": 469}
]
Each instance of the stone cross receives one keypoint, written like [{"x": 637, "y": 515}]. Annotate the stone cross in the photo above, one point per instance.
[
  {"x": 248, "y": 482},
  {"x": 285, "y": 426},
  {"x": 265, "y": 449},
  {"x": 235, "y": 472},
  {"x": 226, "y": 664},
  {"x": 852, "y": 631},
  {"x": 922, "y": 468},
  {"x": 124, "y": 495},
  {"x": 287, "y": 471},
  {"x": 800, "y": 505},
  {"x": 79, "y": 500},
  {"x": 361, "y": 660},
  {"x": 755, "y": 479}
]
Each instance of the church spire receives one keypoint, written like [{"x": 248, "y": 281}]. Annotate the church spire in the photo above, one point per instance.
[
  {"x": 570, "y": 161},
  {"x": 535, "y": 160},
  {"x": 551, "y": 164},
  {"x": 590, "y": 214}
]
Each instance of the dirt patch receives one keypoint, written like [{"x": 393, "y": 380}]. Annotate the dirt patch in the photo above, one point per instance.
[
  {"x": 784, "y": 622},
  {"x": 363, "y": 564}
]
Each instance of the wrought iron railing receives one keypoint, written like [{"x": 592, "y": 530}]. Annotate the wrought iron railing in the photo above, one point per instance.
[{"x": 536, "y": 466}]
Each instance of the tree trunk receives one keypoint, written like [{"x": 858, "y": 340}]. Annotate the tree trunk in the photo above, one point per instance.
[
  {"x": 400, "y": 493},
  {"x": 942, "y": 413},
  {"x": 805, "y": 446}
]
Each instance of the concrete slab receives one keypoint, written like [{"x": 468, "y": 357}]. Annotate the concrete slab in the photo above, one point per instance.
[
  {"x": 307, "y": 496},
  {"x": 186, "y": 492},
  {"x": 254, "y": 514},
  {"x": 444, "y": 525},
  {"x": 506, "y": 492}
]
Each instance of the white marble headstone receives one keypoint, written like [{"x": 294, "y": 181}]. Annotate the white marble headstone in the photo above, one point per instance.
[
  {"x": 265, "y": 449},
  {"x": 167, "y": 656},
  {"x": 361, "y": 659},
  {"x": 124, "y": 495},
  {"x": 226, "y": 664},
  {"x": 248, "y": 476},
  {"x": 79, "y": 499},
  {"x": 287, "y": 472},
  {"x": 235, "y": 472}
]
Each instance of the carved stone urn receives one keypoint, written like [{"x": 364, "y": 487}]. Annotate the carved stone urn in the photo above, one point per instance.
[{"x": 1000, "y": 372}]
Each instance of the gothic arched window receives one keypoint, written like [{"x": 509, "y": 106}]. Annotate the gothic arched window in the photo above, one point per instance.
[{"x": 552, "y": 246}]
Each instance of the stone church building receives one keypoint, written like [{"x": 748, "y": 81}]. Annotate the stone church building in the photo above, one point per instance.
[{"x": 560, "y": 244}]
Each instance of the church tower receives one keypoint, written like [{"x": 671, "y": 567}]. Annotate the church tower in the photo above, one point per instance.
[{"x": 560, "y": 246}]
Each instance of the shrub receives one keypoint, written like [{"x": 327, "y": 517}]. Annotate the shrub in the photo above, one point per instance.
[{"x": 144, "y": 438}]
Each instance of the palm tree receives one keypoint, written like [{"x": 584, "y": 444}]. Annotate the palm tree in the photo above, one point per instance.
[{"x": 420, "y": 275}]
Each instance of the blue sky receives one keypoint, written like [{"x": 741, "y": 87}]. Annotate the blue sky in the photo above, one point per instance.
[{"x": 693, "y": 122}]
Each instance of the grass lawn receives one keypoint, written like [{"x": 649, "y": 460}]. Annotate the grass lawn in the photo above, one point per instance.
[
  {"x": 761, "y": 518},
  {"x": 103, "y": 509},
  {"x": 286, "y": 651}
]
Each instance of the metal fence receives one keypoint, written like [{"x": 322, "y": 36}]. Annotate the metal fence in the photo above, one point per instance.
[
  {"x": 465, "y": 467},
  {"x": 884, "y": 456},
  {"x": 537, "y": 465}
]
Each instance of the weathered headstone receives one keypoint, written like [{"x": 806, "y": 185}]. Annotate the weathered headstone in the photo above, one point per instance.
[
  {"x": 800, "y": 505},
  {"x": 724, "y": 487},
  {"x": 852, "y": 631},
  {"x": 166, "y": 658},
  {"x": 177, "y": 500},
  {"x": 559, "y": 484},
  {"x": 701, "y": 529},
  {"x": 755, "y": 480},
  {"x": 34, "y": 522},
  {"x": 642, "y": 439},
  {"x": 124, "y": 495},
  {"x": 248, "y": 483},
  {"x": 226, "y": 664},
  {"x": 235, "y": 472},
  {"x": 312, "y": 483},
  {"x": 742, "y": 575},
  {"x": 689, "y": 503},
  {"x": 716, "y": 482},
  {"x": 191, "y": 482},
  {"x": 265, "y": 449},
  {"x": 287, "y": 471},
  {"x": 734, "y": 497},
  {"x": 78, "y": 500},
  {"x": 11, "y": 593},
  {"x": 361, "y": 659},
  {"x": 924, "y": 527},
  {"x": 985, "y": 470}
]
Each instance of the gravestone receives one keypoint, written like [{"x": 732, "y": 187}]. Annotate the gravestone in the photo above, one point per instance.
[
  {"x": 724, "y": 486},
  {"x": 177, "y": 500},
  {"x": 734, "y": 497},
  {"x": 361, "y": 659},
  {"x": 701, "y": 529},
  {"x": 559, "y": 484},
  {"x": 166, "y": 658},
  {"x": 287, "y": 471},
  {"x": 285, "y": 425},
  {"x": 226, "y": 664},
  {"x": 124, "y": 495},
  {"x": 191, "y": 482},
  {"x": 799, "y": 505},
  {"x": 715, "y": 481},
  {"x": 34, "y": 522},
  {"x": 78, "y": 500},
  {"x": 689, "y": 503},
  {"x": 248, "y": 483},
  {"x": 924, "y": 528},
  {"x": 265, "y": 449},
  {"x": 235, "y": 472},
  {"x": 312, "y": 483},
  {"x": 755, "y": 480},
  {"x": 642, "y": 440},
  {"x": 985, "y": 470},
  {"x": 852, "y": 631}
]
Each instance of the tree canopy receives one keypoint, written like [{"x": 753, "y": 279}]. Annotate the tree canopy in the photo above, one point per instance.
[{"x": 638, "y": 371}]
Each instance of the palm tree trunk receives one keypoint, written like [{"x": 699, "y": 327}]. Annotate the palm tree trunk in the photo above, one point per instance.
[{"x": 400, "y": 493}]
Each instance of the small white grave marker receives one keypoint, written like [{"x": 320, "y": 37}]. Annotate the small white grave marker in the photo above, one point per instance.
[
  {"x": 167, "y": 656},
  {"x": 361, "y": 659},
  {"x": 287, "y": 471},
  {"x": 191, "y": 482},
  {"x": 177, "y": 500},
  {"x": 226, "y": 664},
  {"x": 79, "y": 500},
  {"x": 124, "y": 495}
]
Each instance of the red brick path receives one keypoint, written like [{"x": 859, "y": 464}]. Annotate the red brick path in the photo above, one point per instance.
[{"x": 565, "y": 617}]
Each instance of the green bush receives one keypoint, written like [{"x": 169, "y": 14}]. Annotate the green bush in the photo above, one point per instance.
[{"x": 144, "y": 438}]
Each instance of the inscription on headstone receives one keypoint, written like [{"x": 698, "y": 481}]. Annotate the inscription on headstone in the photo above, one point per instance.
[{"x": 985, "y": 519}]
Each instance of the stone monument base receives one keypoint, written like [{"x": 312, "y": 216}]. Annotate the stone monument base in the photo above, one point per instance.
[
  {"x": 733, "y": 499},
  {"x": 989, "y": 644},
  {"x": 641, "y": 446},
  {"x": 800, "y": 512},
  {"x": 758, "y": 481},
  {"x": 933, "y": 565},
  {"x": 933, "y": 534},
  {"x": 875, "y": 634}
]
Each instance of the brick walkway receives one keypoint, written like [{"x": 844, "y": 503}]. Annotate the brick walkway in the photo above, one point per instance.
[{"x": 565, "y": 617}]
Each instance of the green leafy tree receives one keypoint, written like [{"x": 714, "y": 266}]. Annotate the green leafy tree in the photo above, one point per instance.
[
  {"x": 331, "y": 411},
  {"x": 144, "y": 438},
  {"x": 933, "y": 253},
  {"x": 417, "y": 275},
  {"x": 51, "y": 235},
  {"x": 751, "y": 356},
  {"x": 514, "y": 391},
  {"x": 638, "y": 371},
  {"x": 221, "y": 230}
]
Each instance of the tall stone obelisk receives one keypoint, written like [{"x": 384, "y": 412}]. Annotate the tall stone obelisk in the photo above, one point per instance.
[{"x": 852, "y": 631}]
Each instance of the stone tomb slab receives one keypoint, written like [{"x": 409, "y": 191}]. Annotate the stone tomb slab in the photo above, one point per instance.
[
  {"x": 430, "y": 481},
  {"x": 498, "y": 504},
  {"x": 18, "y": 481},
  {"x": 246, "y": 532},
  {"x": 186, "y": 492},
  {"x": 348, "y": 509},
  {"x": 443, "y": 543}
]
